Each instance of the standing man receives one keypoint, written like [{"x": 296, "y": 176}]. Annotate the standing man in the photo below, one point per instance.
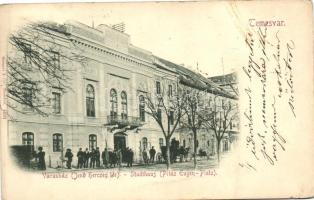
[
  {"x": 113, "y": 159},
  {"x": 69, "y": 156},
  {"x": 127, "y": 156},
  {"x": 92, "y": 156},
  {"x": 152, "y": 153},
  {"x": 80, "y": 158},
  {"x": 119, "y": 157},
  {"x": 105, "y": 157},
  {"x": 41, "y": 159},
  {"x": 97, "y": 157},
  {"x": 131, "y": 154},
  {"x": 145, "y": 156},
  {"x": 86, "y": 157}
]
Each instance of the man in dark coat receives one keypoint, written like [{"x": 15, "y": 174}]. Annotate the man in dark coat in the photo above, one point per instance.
[
  {"x": 105, "y": 157},
  {"x": 86, "y": 157},
  {"x": 69, "y": 156},
  {"x": 119, "y": 157},
  {"x": 182, "y": 153},
  {"x": 112, "y": 158},
  {"x": 97, "y": 157},
  {"x": 80, "y": 158},
  {"x": 127, "y": 156},
  {"x": 41, "y": 159},
  {"x": 130, "y": 157},
  {"x": 152, "y": 153},
  {"x": 92, "y": 156}
]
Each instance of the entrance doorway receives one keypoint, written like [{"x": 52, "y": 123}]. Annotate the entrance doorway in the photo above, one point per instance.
[{"x": 119, "y": 141}]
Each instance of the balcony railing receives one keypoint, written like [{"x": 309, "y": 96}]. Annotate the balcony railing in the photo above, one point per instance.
[{"x": 123, "y": 121}]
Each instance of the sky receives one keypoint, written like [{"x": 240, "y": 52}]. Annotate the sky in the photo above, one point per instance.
[
  {"x": 188, "y": 35},
  {"x": 199, "y": 34}
]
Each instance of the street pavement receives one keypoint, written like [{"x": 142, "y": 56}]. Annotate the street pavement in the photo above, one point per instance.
[{"x": 202, "y": 164}]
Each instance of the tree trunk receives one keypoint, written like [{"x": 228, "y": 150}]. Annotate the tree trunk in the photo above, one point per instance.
[
  {"x": 195, "y": 147},
  {"x": 218, "y": 151},
  {"x": 168, "y": 152}
]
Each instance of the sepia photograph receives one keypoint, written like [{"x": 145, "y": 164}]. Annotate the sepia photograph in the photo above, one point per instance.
[{"x": 85, "y": 97}]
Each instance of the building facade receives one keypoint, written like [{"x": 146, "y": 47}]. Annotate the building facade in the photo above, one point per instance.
[{"x": 105, "y": 107}]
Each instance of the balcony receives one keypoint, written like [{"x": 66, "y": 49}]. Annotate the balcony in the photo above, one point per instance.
[{"x": 123, "y": 121}]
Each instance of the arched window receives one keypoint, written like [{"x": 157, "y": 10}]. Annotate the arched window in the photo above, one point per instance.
[
  {"x": 225, "y": 145},
  {"x": 212, "y": 141},
  {"x": 159, "y": 115},
  {"x": 57, "y": 142},
  {"x": 142, "y": 108},
  {"x": 28, "y": 138},
  {"x": 144, "y": 142},
  {"x": 92, "y": 141},
  {"x": 203, "y": 138},
  {"x": 114, "y": 103},
  {"x": 161, "y": 142},
  {"x": 90, "y": 101},
  {"x": 124, "y": 105}
]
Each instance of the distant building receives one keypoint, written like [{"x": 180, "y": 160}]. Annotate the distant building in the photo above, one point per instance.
[{"x": 228, "y": 82}]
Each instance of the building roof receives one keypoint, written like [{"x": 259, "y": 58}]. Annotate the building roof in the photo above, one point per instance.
[
  {"x": 228, "y": 82},
  {"x": 193, "y": 79},
  {"x": 228, "y": 78}
]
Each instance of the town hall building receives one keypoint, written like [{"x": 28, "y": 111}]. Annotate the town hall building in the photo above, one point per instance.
[{"x": 105, "y": 106}]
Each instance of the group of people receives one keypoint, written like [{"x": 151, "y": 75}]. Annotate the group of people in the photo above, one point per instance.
[
  {"x": 92, "y": 158},
  {"x": 113, "y": 158},
  {"x": 151, "y": 158}
]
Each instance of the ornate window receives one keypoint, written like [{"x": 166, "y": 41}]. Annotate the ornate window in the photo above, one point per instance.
[
  {"x": 114, "y": 103},
  {"x": 158, "y": 90},
  {"x": 28, "y": 138},
  {"x": 57, "y": 142},
  {"x": 159, "y": 114},
  {"x": 28, "y": 94},
  {"x": 144, "y": 142},
  {"x": 225, "y": 145},
  {"x": 124, "y": 105},
  {"x": 92, "y": 141},
  {"x": 56, "y": 60},
  {"x": 90, "y": 101},
  {"x": 171, "y": 117},
  {"x": 170, "y": 90},
  {"x": 142, "y": 108},
  {"x": 56, "y": 103},
  {"x": 190, "y": 140}
]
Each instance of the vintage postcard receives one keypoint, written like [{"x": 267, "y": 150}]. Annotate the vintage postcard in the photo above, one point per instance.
[{"x": 157, "y": 100}]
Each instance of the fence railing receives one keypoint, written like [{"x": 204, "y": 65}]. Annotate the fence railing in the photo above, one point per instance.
[{"x": 123, "y": 120}]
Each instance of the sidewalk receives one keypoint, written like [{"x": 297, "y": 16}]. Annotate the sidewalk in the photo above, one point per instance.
[{"x": 202, "y": 164}]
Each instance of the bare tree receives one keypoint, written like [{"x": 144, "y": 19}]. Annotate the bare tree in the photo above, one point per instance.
[
  {"x": 220, "y": 119},
  {"x": 194, "y": 113},
  {"x": 38, "y": 60},
  {"x": 169, "y": 104}
]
